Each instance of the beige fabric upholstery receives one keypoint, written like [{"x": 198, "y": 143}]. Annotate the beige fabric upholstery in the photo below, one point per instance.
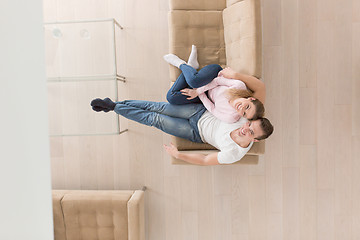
[
  {"x": 136, "y": 215},
  {"x": 201, "y": 28},
  {"x": 242, "y": 29},
  {"x": 247, "y": 159},
  {"x": 231, "y": 2},
  {"x": 197, "y": 5}
]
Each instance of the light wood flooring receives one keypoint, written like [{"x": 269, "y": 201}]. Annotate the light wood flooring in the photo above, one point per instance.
[{"x": 307, "y": 186}]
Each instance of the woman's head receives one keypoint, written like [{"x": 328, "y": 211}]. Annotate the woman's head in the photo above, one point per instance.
[{"x": 246, "y": 105}]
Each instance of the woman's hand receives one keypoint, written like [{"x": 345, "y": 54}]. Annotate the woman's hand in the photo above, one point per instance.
[
  {"x": 189, "y": 92},
  {"x": 227, "y": 73},
  {"x": 171, "y": 150}
]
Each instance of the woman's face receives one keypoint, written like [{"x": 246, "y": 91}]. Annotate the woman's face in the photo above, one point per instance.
[{"x": 244, "y": 107}]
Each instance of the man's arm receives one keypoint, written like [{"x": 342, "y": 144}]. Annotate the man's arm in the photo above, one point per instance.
[
  {"x": 252, "y": 83},
  {"x": 193, "y": 158}
]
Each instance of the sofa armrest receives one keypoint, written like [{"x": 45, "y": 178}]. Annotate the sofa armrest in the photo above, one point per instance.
[{"x": 136, "y": 216}]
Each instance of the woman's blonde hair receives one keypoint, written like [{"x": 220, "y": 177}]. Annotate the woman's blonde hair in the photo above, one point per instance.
[{"x": 234, "y": 93}]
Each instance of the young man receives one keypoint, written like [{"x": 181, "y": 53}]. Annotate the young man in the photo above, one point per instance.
[{"x": 193, "y": 123}]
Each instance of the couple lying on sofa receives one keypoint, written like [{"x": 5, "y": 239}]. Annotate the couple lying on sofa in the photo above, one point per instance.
[{"x": 207, "y": 106}]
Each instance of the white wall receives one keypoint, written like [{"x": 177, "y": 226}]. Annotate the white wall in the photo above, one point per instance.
[{"x": 25, "y": 189}]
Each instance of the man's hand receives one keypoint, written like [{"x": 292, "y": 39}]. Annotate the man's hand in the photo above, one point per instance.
[
  {"x": 227, "y": 73},
  {"x": 189, "y": 92},
  {"x": 171, "y": 150},
  {"x": 193, "y": 158}
]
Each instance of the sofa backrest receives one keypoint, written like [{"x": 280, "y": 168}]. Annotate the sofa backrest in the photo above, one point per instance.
[{"x": 242, "y": 33}]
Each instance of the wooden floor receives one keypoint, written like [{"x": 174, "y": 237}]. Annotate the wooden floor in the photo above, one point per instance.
[{"x": 307, "y": 186}]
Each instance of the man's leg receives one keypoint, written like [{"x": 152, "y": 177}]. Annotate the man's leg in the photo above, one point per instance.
[
  {"x": 198, "y": 79},
  {"x": 178, "y": 111},
  {"x": 175, "y": 126}
]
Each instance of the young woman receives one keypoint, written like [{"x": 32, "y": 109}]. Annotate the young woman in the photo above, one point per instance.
[{"x": 227, "y": 98}]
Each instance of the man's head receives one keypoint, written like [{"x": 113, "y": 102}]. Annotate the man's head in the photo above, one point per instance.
[{"x": 254, "y": 130}]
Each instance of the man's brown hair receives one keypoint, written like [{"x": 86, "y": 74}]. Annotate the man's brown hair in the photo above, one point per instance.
[{"x": 267, "y": 128}]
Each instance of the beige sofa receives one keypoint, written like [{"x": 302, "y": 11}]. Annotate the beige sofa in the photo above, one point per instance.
[
  {"x": 226, "y": 33},
  {"x": 95, "y": 215}
]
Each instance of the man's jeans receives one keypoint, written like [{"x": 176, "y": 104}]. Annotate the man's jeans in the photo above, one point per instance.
[
  {"x": 176, "y": 120},
  {"x": 190, "y": 78}
]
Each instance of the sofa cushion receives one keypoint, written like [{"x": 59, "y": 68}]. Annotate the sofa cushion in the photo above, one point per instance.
[
  {"x": 201, "y": 28},
  {"x": 197, "y": 5},
  {"x": 94, "y": 215},
  {"x": 242, "y": 32}
]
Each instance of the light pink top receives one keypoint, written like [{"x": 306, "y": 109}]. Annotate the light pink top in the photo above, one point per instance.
[{"x": 218, "y": 104}]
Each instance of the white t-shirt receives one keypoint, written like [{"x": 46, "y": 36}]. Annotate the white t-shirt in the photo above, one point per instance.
[{"x": 217, "y": 133}]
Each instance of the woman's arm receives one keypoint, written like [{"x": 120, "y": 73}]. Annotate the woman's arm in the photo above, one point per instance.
[
  {"x": 210, "y": 106},
  {"x": 231, "y": 83},
  {"x": 193, "y": 158},
  {"x": 213, "y": 84},
  {"x": 252, "y": 83}
]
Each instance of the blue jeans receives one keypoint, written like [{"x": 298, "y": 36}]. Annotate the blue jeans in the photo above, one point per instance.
[
  {"x": 176, "y": 120},
  {"x": 190, "y": 78}
]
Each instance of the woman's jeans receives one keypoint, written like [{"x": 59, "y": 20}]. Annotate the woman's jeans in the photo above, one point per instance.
[
  {"x": 176, "y": 120},
  {"x": 190, "y": 78}
]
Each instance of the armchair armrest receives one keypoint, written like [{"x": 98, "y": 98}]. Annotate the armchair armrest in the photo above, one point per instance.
[{"x": 136, "y": 216}]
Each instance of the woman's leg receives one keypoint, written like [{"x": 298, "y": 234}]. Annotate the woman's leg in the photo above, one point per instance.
[
  {"x": 174, "y": 96},
  {"x": 190, "y": 78},
  {"x": 152, "y": 114},
  {"x": 198, "y": 79}
]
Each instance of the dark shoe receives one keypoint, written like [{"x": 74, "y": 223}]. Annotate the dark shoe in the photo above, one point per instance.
[
  {"x": 105, "y": 104},
  {"x": 99, "y": 109},
  {"x": 110, "y": 104}
]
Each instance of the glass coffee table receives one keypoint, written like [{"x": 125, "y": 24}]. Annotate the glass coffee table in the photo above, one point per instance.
[{"x": 82, "y": 63}]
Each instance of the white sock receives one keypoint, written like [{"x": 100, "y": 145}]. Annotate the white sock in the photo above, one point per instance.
[
  {"x": 192, "y": 61},
  {"x": 174, "y": 60}
]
